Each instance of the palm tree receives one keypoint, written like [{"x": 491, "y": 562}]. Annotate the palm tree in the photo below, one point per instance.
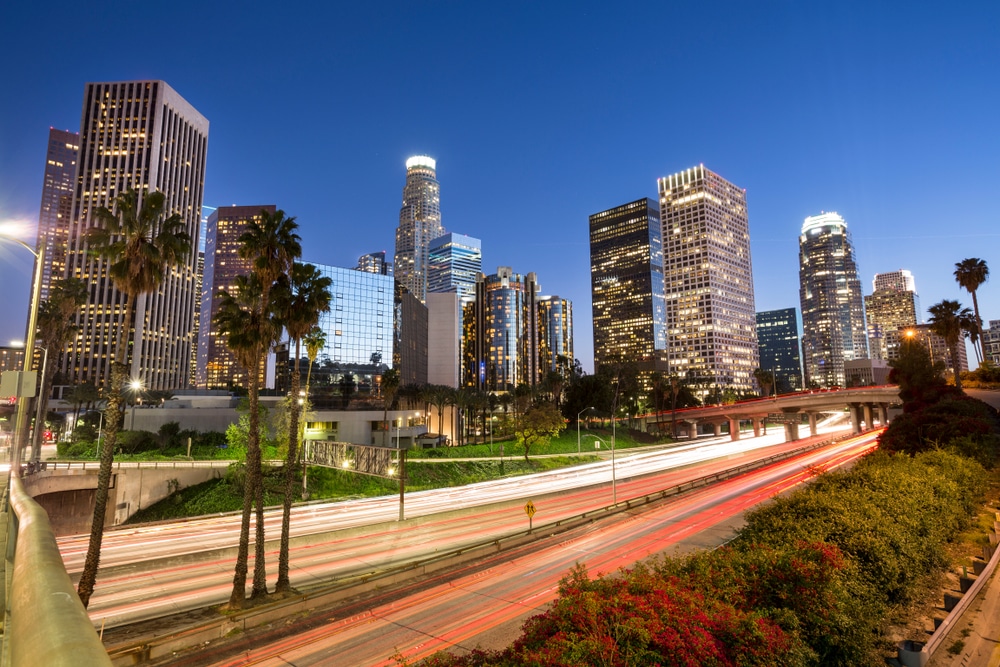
[
  {"x": 307, "y": 295},
  {"x": 314, "y": 341},
  {"x": 765, "y": 379},
  {"x": 949, "y": 320},
  {"x": 390, "y": 385},
  {"x": 55, "y": 329},
  {"x": 138, "y": 245},
  {"x": 971, "y": 274},
  {"x": 247, "y": 318}
]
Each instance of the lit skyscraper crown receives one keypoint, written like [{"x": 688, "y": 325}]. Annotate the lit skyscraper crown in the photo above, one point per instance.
[{"x": 421, "y": 161}]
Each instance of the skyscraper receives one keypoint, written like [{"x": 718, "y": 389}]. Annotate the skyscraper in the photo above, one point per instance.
[
  {"x": 555, "y": 333},
  {"x": 57, "y": 205},
  {"x": 217, "y": 366},
  {"x": 626, "y": 281},
  {"x": 454, "y": 261},
  {"x": 419, "y": 224},
  {"x": 778, "y": 342},
  {"x": 143, "y": 136},
  {"x": 501, "y": 332},
  {"x": 892, "y": 308},
  {"x": 374, "y": 262},
  {"x": 833, "y": 316},
  {"x": 708, "y": 278}
]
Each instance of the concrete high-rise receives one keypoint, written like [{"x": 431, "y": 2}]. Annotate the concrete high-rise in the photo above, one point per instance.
[
  {"x": 626, "y": 282},
  {"x": 778, "y": 343},
  {"x": 890, "y": 309},
  {"x": 143, "y": 136},
  {"x": 217, "y": 367},
  {"x": 454, "y": 261},
  {"x": 708, "y": 277},
  {"x": 57, "y": 205},
  {"x": 419, "y": 224},
  {"x": 833, "y": 316},
  {"x": 374, "y": 262}
]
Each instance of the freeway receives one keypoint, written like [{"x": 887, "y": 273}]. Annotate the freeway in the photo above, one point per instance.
[
  {"x": 161, "y": 569},
  {"x": 485, "y": 602}
]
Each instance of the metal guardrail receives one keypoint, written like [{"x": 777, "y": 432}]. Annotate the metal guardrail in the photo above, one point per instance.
[
  {"x": 118, "y": 465},
  {"x": 48, "y": 625}
]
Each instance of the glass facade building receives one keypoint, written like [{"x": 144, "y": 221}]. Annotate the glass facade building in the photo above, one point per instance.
[
  {"x": 359, "y": 324},
  {"x": 419, "y": 224},
  {"x": 626, "y": 282},
  {"x": 57, "y": 205},
  {"x": 143, "y": 136},
  {"x": 778, "y": 343},
  {"x": 708, "y": 280},
  {"x": 833, "y": 316},
  {"x": 454, "y": 261},
  {"x": 501, "y": 332},
  {"x": 217, "y": 367},
  {"x": 555, "y": 334}
]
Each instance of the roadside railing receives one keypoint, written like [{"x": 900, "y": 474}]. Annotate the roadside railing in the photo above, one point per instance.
[{"x": 47, "y": 624}]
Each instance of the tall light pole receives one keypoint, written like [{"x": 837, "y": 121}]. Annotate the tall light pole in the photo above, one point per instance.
[
  {"x": 614, "y": 482},
  {"x": 578, "y": 427},
  {"x": 21, "y": 422},
  {"x": 136, "y": 387}
]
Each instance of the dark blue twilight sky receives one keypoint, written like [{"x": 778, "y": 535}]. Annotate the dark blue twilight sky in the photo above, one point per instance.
[{"x": 541, "y": 113}]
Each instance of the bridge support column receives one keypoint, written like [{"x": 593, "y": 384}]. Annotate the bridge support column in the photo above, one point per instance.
[
  {"x": 692, "y": 430},
  {"x": 734, "y": 429},
  {"x": 867, "y": 408},
  {"x": 812, "y": 423},
  {"x": 717, "y": 429},
  {"x": 855, "y": 417},
  {"x": 756, "y": 426},
  {"x": 791, "y": 431},
  {"x": 883, "y": 414}
]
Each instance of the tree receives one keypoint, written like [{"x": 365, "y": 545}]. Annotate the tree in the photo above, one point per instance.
[
  {"x": 307, "y": 295},
  {"x": 971, "y": 274},
  {"x": 537, "y": 425},
  {"x": 765, "y": 380},
  {"x": 949, "y": 320},
  {"x": 82, "y": 395},
  {"x": 137, "y": 243},
  {"x": 390, "y": 385},
  {"x": 314, "y": 341},
  {"x": 246, "y": 318},
  {"x": 440, "y": 396},
  {"x": 55, "y": 329}
]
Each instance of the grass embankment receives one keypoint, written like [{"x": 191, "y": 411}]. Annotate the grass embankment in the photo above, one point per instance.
[
  {"x": 225, "y": 495},
  {"x": 564, "y": 443}
]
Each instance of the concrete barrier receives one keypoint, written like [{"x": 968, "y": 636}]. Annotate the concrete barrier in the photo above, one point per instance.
[{"x": 48, "y": 625}]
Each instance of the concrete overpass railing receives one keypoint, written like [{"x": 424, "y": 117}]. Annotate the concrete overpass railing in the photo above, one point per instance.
[{"x": 47, "y": 625}]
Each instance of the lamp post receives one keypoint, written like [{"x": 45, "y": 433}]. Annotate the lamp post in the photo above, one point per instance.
[
  {"x": 136, "y": 387},
  {"x": 21, "y": 422},
  {"x": 36, "y": 435},
  {"x": 578, "y": 427}
]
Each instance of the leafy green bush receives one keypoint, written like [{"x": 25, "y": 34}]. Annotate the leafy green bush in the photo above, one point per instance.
[
  {"x": 957, "y": 421},
  {"x": 77, "y": 450},
  {"x": 135, "y": 442}
]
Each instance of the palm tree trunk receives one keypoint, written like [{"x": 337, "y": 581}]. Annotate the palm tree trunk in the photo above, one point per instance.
[
  {"x": 953, "y": 350},
  {"x": 43, "y": 396},
  {"x": 256, "y": 478},
  {"x": 283, "y": 584},
  {"x": 979, "y": 326},
  {"x": 119, "y": 372}
]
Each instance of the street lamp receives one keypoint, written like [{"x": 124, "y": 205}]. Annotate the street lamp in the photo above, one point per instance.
[
  {"x": 578, "y": 427},
  {"x": 136, "y": 387},
  {"x": 36, "y": 434},
  {"x": 614, "y": 484},
  {"x": 21, "y": 421}
]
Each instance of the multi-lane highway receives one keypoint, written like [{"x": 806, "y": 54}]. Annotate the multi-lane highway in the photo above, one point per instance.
[
  {"x": 156, "y": 570},
  {"x": 485, "y": 602}
]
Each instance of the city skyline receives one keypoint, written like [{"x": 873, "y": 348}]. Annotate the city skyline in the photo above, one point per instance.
[{"x": 527, "y": 153}]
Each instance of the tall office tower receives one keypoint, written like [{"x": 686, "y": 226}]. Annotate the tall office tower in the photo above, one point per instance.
[
  {"x": 410, "y": 330},
  {"x": 890, "y": 309},
  {"x": 419, "y": 224},
  {"x": 626, "y": 282},
  {"x": 453, "y": 262},
  {"x": 501, "y": 332},
  {"x": 143, "y": 136},
  {"x": 199, "y": 278},
  {"x": 374, "y": 262},
  {"x": 833, "y": 315},
  {"x": 57, "y": 205},
  {"x": 217, "y": 366},
  {"x": 555, "y": 333},
  {"x": 708, "y": 280},
  {"x": 899, "y": 281},
  {"x": 444, "y": 345},
  {"x": 778, "y": 342}
]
